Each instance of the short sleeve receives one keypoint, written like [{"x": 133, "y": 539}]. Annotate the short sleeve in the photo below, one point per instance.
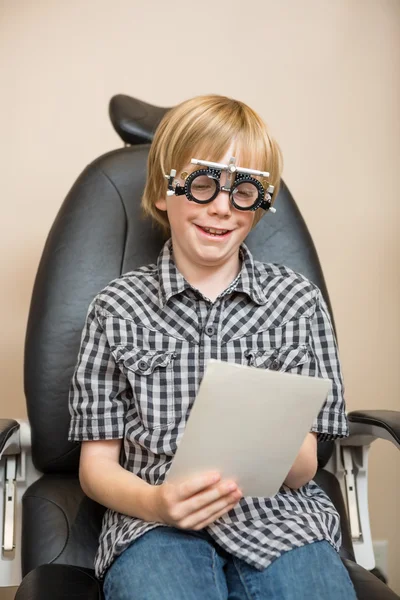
[
  {"x": 99, "y": 393},
  {"x": 332, "y": 421}
]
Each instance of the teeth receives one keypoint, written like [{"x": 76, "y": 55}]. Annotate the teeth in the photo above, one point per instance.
[{"x": 215, "y": 231}]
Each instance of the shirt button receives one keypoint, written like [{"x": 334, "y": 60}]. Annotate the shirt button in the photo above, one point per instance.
[
  {"x": 143, "y": 365},
  {"x": 210, "y": 330},
  {"x": 275, "y": 365}
]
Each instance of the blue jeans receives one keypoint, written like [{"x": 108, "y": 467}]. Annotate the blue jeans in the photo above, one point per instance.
[{"x": 171, "y": 564}]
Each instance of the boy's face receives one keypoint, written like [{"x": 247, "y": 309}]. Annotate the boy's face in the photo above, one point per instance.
[{"x": 190, "y": 223}]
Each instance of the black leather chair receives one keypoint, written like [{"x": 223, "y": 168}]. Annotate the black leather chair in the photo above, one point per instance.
[{"x": 97, "y": 235}]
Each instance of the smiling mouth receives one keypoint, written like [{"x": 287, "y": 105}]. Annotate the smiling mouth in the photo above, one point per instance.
[{"x": 214, "y": 231}]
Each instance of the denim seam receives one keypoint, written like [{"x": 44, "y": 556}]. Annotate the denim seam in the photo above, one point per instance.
[
  {"x": 213, "y": 555},
  {"x": 248, "y": 594}
]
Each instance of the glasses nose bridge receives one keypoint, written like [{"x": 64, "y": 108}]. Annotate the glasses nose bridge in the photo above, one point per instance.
[
  {"x": 229, "y": 180},
  {"x": 223, "y": 188}
]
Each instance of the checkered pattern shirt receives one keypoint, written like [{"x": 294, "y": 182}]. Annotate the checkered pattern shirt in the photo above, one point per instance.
[{"x": 146, "y": 342}]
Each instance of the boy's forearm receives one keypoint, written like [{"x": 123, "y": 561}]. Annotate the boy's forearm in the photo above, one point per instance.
[
  {"x": 305, "y": 465},
  {"x": 111, "y": 485}
]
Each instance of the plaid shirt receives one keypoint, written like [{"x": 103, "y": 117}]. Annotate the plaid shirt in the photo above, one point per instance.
[{"x": 144, "y": 348}]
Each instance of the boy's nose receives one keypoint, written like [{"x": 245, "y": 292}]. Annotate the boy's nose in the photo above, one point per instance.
[{"x": 221, "y": 205}]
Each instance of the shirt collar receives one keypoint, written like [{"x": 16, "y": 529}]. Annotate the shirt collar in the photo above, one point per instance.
[
  {"x": 172, "y": 282},
  {"x": 249, "y": 278}
]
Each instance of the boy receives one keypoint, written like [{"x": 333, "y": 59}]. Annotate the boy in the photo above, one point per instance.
[{"x": 146, "y": 342}]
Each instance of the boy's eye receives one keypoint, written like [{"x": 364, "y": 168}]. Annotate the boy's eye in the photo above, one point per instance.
[
  {"x": 200, "y": 188},
  {"x": 203, "y": 187},
  {"x": 246, "y": 190},
  {"x": 245, "y": 194}
]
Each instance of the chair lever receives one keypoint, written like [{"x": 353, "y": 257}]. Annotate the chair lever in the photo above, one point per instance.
[
  {"x": 351, "y": 493},
  {"x": 8, "y": 543}
]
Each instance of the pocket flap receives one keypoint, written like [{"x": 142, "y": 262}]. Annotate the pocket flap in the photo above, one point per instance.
[
  {"x": 144, "y": 362},
  {"x": 279, "y": 359}
]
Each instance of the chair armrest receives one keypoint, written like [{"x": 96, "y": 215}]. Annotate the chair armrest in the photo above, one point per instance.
[
  {"x": 351, "y": 469},
  {"x": 9, "y": 437},
  {"x": 15, "y": 471},
  {"x": 368, "y": 425},
  {"x": 367, "y": 586}
]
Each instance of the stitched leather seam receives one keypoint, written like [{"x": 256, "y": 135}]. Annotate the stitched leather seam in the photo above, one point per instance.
[
  {"x": 66, "y": 521},
  {"x": 92, "y": 577},
  {"x": 123, "y": 208},
  {"x": 54, "y": 460}
]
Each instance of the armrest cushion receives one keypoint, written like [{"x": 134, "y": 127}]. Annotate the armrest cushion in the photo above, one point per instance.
[
  {"x": 8, "y": 429},
  {"x": 59, "y": 582},
  {"x": 367, "y": 586},
  {"x": 383, "y": 424},
  {"x": 59, "y": 523}
]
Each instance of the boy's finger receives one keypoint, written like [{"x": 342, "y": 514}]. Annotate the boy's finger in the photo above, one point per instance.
[
  {"x": 215, "y": 516},
  {"x": 208, "y": 512},
  {"x": 196, "y": 484},
  {"x": 210, "y": 495}
]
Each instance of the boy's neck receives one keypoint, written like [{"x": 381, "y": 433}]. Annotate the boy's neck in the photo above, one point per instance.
[{"x": 211, "y": 280}]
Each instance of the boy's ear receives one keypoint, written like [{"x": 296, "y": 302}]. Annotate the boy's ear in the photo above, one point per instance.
[{"x": 161, "y": 204}]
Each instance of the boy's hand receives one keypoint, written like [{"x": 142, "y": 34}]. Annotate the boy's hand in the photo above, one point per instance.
[{"x": 196, "y": 502}]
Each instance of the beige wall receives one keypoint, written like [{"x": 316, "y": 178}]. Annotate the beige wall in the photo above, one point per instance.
[{"x": 325, "y": 76}]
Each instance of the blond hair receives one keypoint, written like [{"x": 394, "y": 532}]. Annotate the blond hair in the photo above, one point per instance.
[{"x": 204, "y": 127}]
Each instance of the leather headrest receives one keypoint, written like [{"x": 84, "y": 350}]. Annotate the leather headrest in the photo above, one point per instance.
[{"x": 135, "y": 121}]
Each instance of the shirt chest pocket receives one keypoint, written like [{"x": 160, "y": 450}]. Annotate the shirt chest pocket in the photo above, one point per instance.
[
  {"x": 151, "y": 377},
  {"x": 285, "y": 358}
]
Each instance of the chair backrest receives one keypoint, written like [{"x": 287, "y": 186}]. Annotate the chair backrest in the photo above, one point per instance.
[{"x": 99, "y": 234}]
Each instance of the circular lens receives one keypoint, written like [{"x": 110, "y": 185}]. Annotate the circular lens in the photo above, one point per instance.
[
  {"x": 245, "y": 194},
  {"x": 203, "y": 188}
]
